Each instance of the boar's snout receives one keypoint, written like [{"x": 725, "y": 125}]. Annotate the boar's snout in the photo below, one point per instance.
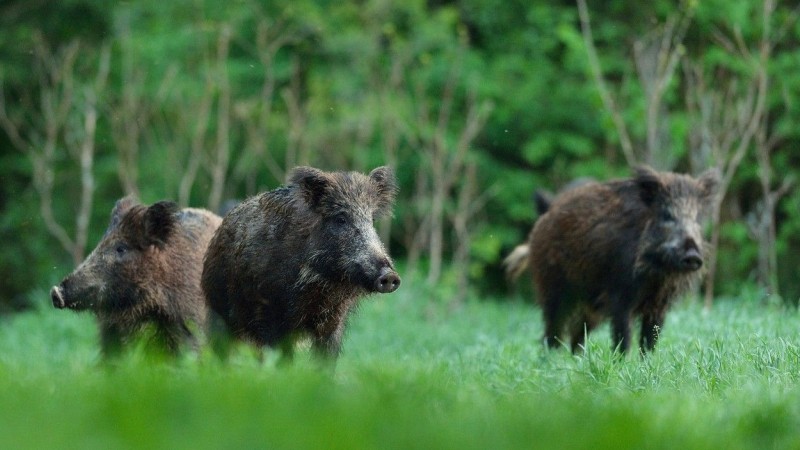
[
  {"x": 387, "y": 281},
  {"x": 57, "y": 295},
  {"x": 691, "y": 259}
]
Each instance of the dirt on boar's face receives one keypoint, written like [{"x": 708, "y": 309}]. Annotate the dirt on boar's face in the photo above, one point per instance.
[
  {"x": 619, "y": 249},
  {"x": 296, "y": 259},
  {"x": 145, "y": 269}
]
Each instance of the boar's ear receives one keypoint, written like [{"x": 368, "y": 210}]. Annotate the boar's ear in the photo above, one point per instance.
[
  {"x": 385, "y": 189},
  {"x": 651, "y": 187},
  {"x": 542, "y": 200},
  {"x": 708, "y": 182},
  {"x": 314, "y": 184},
  {"x": 160, "y": 221},
  {"x": 122, "y": 206}
]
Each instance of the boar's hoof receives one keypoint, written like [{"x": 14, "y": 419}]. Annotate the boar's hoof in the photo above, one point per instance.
[
  {"x": 58, "y": 297},
  {"x": 388, "y": 281}
]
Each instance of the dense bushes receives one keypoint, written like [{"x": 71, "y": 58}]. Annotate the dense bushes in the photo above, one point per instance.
[{"x": 476, "y": 103}]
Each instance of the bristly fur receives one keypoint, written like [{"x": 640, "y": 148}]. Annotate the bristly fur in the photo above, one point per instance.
[
  {"x": 385, "y": 185},
  {"x": 145, "y": 270},
  {"x": 295, "y": 260},
  {"x": 618, "y": 249}
]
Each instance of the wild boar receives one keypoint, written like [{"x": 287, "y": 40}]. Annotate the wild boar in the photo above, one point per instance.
[
  {"x": 621, "y": 249},
  {"x": 294, "y": 261},
  {"x": 145, "y": 270}
]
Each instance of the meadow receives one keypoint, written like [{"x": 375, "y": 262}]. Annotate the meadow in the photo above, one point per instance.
[{"x": 416, "y": 372}]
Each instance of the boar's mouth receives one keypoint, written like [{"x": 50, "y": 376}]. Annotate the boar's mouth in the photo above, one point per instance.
[
  {"x": 690, "y": 261},
  {"x": 60, "y": 300}
]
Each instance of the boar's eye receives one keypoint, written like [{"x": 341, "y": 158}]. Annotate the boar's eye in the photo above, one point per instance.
[
  {"x": 666, "y": 216},
  {"x": 121, "y": 249},
  {"x": 340, "y": 219}
]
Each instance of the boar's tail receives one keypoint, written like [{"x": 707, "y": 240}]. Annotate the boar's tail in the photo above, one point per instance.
[{"x": 516, "y": 262}]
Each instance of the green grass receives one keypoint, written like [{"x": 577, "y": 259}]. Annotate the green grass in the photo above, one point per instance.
[{"x": 416, "y": 373}]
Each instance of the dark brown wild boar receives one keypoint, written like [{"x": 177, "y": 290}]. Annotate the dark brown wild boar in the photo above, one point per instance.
[
  {"x": 145, "y": 270},
  {"x": 295, "y": 260},
  {"x": 620, "y": 249}
]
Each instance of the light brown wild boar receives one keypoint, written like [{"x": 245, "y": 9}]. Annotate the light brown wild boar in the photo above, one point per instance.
[{"x": 145, "y": 270}]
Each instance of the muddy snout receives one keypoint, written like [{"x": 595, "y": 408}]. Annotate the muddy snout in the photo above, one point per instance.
[
  {"x": 57, "y": 295},
  {"x": 387, "y": 281}
]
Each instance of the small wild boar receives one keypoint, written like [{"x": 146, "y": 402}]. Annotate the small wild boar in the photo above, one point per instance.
[
  {"x": 620, "y": 249},
  {"x": 295, "y": 260},
  {"x": 145, "y": 270}
]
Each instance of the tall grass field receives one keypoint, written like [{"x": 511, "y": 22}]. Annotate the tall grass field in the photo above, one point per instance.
[{"x": 416, "y": 372}]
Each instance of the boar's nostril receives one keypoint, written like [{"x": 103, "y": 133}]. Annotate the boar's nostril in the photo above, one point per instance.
[
  {"x": 387, "y": 282},
  {"x": 57, "y": 296},
  {"x": 691, "y": 260}
]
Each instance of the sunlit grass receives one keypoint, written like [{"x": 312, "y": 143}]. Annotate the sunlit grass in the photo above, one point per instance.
[{"x": 416, "y": 372}]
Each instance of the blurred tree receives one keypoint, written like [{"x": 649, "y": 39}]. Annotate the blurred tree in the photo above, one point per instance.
[{"x": 475, "y": 102}]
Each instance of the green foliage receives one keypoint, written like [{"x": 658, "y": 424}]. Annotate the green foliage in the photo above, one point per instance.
[
  {"x": 351, "y": 85},
  {"x": 416, "y": 373}
]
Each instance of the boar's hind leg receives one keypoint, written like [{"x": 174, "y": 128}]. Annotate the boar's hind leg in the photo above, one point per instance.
[{"x": 555, "y": 314}]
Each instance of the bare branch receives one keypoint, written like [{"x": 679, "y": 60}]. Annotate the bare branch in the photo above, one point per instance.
[
  {"x": 9, "y": 125},
  {"x": 87, "y": 151},
  {"x": 743, "y": 116},
  {"x": 295, "y": 151},
  {"x": 605, "y": 95},
  {"x": 128, "y": 120},
  {"x": 197, "y": 147},
  {"x": 66, "y": 119},
  {"x": 656, "y": 56},
  {"x": 219, "y": 167}
]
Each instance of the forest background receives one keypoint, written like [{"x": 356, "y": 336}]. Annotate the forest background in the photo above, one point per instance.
[{"x": 474, "y": 103}]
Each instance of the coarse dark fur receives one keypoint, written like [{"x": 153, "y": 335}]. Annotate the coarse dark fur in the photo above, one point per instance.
[
  {"x": 145, "y": 270},
  {"x": 542, "y": 198},
  {"x": 295, "y": 260},
  {"x": 620, "y": 249},
  {"x": 517, "y": 261}
]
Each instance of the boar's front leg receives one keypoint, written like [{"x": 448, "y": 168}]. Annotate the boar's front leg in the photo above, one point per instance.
[
  {"x": 111, "y": 338},
  {"x": 328, "y": 344},
  {"x": 620, "y": 325},
  {"x": 286, "y": 349},
  {"x": 652, "y": 322},
  {"x": 173, "y": 335}
]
